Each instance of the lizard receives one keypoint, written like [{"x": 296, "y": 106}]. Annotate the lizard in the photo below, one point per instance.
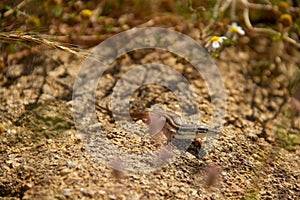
[{"x": 172, "y": 127}]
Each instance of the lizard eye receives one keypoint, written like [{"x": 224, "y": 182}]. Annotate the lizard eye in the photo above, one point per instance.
[{"x": 202, "y": 130}]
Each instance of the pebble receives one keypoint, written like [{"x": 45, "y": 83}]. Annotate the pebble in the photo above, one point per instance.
[
  {"x": 101, "y": 192},
  {"x": 112, "y": 197},
  {"x": 252, "y": 136},
  {"x": 64, "y": 171},
  {"x": 67, "y": 192},
  {"x": 1, "y": 128}
]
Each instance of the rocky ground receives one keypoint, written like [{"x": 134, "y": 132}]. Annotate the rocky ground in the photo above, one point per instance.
[{"x": 256, "y": 156}]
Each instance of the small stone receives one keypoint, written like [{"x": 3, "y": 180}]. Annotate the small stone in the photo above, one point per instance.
[
  {"x": 57, "y": 72},
  {"x": 252, "y": 136},
  {"x": 70, "y": 164},
  {"x": 193, "y": 192},
  {"x": 1, "y": 128},
  {"x": 67, "y": 192},
  {"x": 237, "y": 123},
  {"x": 269, "y": 135},
  {"x": 64, "y": 172},
  {"x": 174, "y": 189},
  {"x": 189, "y": 155},
  {"x": 101, "y": 192},
  {"x": 151, "y": 192},
  {"x": 181, "y": 195},
  {"x": 170, "y": 61}
]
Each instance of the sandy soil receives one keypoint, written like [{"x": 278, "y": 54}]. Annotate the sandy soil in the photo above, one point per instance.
[{"x": 257, "y": 155}]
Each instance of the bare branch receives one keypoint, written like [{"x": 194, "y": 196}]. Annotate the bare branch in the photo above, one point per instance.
[
  {"x": 233, "y": 10},
  {"x": 18, "y": 7},
  {"x": 258, "y": 6},
  {"x": 248, "y": 24}
]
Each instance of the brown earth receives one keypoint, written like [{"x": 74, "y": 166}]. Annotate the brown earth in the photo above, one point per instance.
[{"x": 257, "y": 155}]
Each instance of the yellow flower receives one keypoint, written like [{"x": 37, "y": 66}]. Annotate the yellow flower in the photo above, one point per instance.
[
  {"x": 283, "y": 6},
  {"x": 286, "y": 20},
  {"x": 86, "y": 13},
  {"x": 33, "y": 22}
]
